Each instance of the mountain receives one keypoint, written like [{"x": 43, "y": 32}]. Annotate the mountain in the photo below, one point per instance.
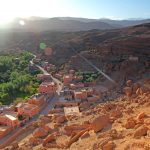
[
  {"x": 128, "y": 41},
  {"x": 56, "y": 24},
  {"x": 126, "y": 23},
  {"x": 115, "y": 23},
  {"x": 69, "y": 24}
]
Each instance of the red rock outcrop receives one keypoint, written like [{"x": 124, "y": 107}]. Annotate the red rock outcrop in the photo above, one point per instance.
[
  {"x": 141, "y": 131},
  {"x": 100, "y": 122}
]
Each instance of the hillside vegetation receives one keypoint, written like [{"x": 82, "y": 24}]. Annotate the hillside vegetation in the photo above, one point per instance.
[{"x": 16, "y": 82}]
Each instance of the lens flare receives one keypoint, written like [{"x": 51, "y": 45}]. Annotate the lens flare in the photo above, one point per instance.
[{"x": 21, "y": 22}]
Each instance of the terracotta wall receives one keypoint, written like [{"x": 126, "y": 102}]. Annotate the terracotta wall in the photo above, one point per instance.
[
  {"x": 12, "y": 138},
  {"x": 38, "y": 102},
  {"x": 47, "y": 89},
  {"x": 5, "y": 133}
]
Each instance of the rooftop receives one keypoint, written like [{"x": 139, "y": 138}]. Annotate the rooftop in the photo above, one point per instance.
[
  {"x": 3, "y": 128},
  {"x": 36, "y": 96},
  {"x": 26, "y": 106},
  {"x": 11, "y": 117},
  {"x": 9, "y": 114},
  {"x": 47, "y": 83},
  {"x": 72, "y": 110}
]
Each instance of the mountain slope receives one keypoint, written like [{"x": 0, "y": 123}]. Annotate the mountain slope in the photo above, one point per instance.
[{"x": 56, "y": 24}]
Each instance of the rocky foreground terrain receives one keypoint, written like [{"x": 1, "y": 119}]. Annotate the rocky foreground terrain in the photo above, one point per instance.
[{"x": 122, "y": 123}]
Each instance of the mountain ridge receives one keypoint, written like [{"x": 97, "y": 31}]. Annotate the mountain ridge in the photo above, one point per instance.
[{"x": 69, "y": 24}]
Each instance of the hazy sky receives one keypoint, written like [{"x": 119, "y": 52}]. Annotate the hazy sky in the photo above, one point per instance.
[{"x": 114, "y": 9}]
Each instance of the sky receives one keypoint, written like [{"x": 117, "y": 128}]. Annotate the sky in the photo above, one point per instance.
[{"x": 113, "y": 9}]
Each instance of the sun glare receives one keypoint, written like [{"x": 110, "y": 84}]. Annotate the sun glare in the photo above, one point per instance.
[
  {"x": 21, "y": 22},
  {"x": 5, "y": 19}
]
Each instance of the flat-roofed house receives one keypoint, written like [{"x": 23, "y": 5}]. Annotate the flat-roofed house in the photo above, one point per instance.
[
  {"x": 4, "y": 130},
  {"x": 133, "y": 58},
  {"x": 47, "y": 87},
  {"x": 27, "y": 109},
  {"x": 67, "y": 79},
  {"x": 80, "y": 94},
  {"x": 9, "y": 119},
  {"x": 37, "y": 99},
  {"x": 72, "y": 111}
]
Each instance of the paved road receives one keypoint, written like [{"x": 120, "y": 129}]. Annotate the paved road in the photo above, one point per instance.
[
  {"x": 59, "y": 83},
  {"x": 49, "y": 105}
]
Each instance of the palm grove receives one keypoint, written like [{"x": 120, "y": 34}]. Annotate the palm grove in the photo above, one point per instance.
[{"x": 16, "y": 82}]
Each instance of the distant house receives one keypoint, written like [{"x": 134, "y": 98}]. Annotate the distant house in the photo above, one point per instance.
[
  {"x": 80, "y": 94},
  {"x": 10, "y": 119},
  {"x": 37, "y": 99},
  {"x": 67, "y": 79},
  {"x": 59, "y": 76},
  {"x": 133, "y": 58},
  {"x": 44, "y": 77},
  {"x": 4, "y": 130},
  {"x": 47, "y": 87},
  {"x": 27, "y": 109},
  {"x": 48, "y": 51},
  {"x": 72, "y": 111},
  {"x": 72, "y": 71},
  {"x": 76, "y": 86},
  {"x": 67, "y": 94}
]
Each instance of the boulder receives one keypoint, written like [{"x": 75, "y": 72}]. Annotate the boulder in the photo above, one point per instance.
[
  {"x": 15, "y": 145},
  {"x": 99, "y": 145},
  {"x": 33, "y": 141},
  {"x": 76, "y": 128},
  {"x": 61, "y": 119},
  {"x": 109, "y": 146},
  {"x": 141, "y": 115},
  {"x": 135, "y": 87},
  {"x": 128, "y": 91},
  {"x": 141, "y": 131},
  {"x": 129, "y": 83},
  {"x": 52, "y": 145},
  {"x": 115, "y": 134},
  {"x": 76, "y": 137},
  {"x": 85, "y": 135},
  {"x": 116, "y": 114},
  {"x": 141, "y": 90},
  {"x": 100, "y": 122},
  {"x": 48, "y": 139},
  {"x": 40, "y": 132},
  {"x": 130, "y": 123},
  {"x": 129, "y": 110},
  {"x": 138, "y": 91}
]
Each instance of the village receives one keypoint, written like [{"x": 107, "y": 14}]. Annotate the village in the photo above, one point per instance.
[
  {"x": 66, "y": 109},
  {"x": 72, "y": 98}
]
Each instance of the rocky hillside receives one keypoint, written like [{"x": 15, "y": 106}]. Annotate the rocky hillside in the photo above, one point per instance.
[
  {"x": 97, "y": 45},
  {"x": 122, "y": 123}
]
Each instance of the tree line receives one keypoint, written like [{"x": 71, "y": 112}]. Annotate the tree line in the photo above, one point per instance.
[{"x": 16, "y": 81}]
